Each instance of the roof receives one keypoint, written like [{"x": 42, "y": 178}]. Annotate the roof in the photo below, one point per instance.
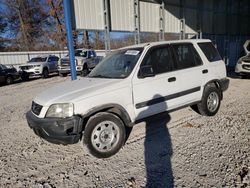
[{"x": 142, "y": 45}]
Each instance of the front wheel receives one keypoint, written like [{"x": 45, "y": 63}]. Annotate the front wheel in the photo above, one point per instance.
[
  {"x": 45, "y": 73},
  {"x": 9, "y": 80},
  {"x": 85, "y": 70},
  {"x": 210, "y": 102},
  {"x": 104, "y": 135}
]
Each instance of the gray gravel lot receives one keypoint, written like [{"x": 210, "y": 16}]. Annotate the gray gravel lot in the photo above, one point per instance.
[{"x": 180, "y": 149}]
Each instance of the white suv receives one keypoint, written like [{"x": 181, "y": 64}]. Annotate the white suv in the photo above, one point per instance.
[
  {"x": 242, "y": 67},
  {"x": 129, "y": 85},
  {"x": 39, "y": 66}
]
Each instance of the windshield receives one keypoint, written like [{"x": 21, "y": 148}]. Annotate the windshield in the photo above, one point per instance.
[
  {"x": 38, "y": 59},
  {"x": 118, "y": 64}
]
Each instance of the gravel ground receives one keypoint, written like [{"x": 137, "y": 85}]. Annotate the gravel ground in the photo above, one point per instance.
[{"x": 180, "y": 149}]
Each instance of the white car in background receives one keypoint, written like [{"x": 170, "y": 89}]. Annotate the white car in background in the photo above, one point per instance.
[
  {"x": 39, "y": 66},
  {"x": 242, "y": 67}
]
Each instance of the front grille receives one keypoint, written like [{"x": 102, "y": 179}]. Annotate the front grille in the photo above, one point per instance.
[
  {"x": 26, "y": 67},
  {"x": 36, "y": 108},
  {"x": 65, "y": 62}
]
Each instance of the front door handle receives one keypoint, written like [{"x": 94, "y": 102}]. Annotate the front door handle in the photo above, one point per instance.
[
  {"x": 172, "y": 79},
  {"x": 204, "y": 71}
]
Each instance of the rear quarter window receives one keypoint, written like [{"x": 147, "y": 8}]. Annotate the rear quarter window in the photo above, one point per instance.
[{"x": 210, "y": 51}]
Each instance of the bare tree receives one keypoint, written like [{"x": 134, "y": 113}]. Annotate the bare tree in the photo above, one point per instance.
[
  {"x": 25, "y": 18},
  {"x": 58, "y": 33}
]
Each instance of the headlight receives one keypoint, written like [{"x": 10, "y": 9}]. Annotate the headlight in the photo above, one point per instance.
[
  {"x": 79, "y": 63},
  {"x": 37, "y": 65},
  {"x": 60, "y": 110}
]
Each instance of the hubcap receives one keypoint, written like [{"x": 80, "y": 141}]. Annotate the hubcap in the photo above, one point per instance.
[
  {"x": 212, "y": 101},
  {"x": 105, "y": 136},
  {"x": 8, "y": 81}
]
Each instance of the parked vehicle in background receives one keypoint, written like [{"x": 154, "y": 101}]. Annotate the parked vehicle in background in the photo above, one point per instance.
[
  {"x": 242, "y": 67},
  {"x": 85, "y": 59},
  {"x": 39, "y": 66},
  {"x": 8, "y": 75},
  {"x": 129, "y": 85}
]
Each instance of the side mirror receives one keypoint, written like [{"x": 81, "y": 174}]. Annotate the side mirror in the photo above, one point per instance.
[{"x": 146, "y": 71}]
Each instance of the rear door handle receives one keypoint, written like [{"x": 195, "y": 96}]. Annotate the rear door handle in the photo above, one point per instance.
[
  {"x": 172, "y": 79},
  {"x": 204, "y": 71}
]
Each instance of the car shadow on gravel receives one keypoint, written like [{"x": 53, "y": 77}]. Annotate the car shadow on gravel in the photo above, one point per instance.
[{"x": 158, "y": 149}]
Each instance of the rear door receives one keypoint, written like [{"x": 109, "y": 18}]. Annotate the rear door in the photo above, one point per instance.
[
  {"x": 91, "y": 59},
  {"x": 189, "y": 73}
]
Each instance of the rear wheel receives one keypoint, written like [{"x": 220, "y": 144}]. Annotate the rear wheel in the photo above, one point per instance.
[
  {"x": 104, "y": 135},
  {"x": 45, "y": 73},
  {"x": 9, "y": 80},
  {"x": 210, "y": 102}
]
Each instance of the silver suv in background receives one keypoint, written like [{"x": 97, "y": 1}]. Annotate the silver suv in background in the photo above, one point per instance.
[
  {"x": 39, "y": 66},
  {"x": 85, "y": 59}
]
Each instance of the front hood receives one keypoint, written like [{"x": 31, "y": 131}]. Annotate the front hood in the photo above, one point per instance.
[
  {"x": 31, "y": 64},
  {"x": 72, "y": 91}
]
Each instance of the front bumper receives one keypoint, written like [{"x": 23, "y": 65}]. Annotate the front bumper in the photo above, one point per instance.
[
  {"x": 66, "y": 69},
  {"x": 243, "y": 69},
  {"x": 56, "y": 130},
  {"x": 30, "y": 72}
]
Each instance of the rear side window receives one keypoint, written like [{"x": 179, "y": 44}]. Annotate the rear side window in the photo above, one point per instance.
[
  {"x": 186, "y": 56},
  {"x": 210, "y": 51}
]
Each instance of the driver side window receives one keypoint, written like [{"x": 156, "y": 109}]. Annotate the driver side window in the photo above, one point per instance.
[{"x": 160, "y": 59}]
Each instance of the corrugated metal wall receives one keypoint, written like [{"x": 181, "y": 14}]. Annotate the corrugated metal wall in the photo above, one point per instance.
[
  {"x": 17, "y": 58},
  {"x": 125, "y": 10},
  {"x": 89, "y": 14}
]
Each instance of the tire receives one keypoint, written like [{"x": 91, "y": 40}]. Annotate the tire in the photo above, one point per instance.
[
  {"x": 9, "y": 80},
  {"x": 45, "y": 73},
  {"x": 210, "y": 102},
  {"x": 85, "y": 71},
  {"x": 63, "y": 74},
  {"x": 25, "y": 77},
  {"x": 104, "y": 135}
]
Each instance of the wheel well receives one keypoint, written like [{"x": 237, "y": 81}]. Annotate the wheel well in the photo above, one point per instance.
[
  {"x": 45, "y": 68},
  {"x": 118, "y": 111},
  {"x": 85, "y": 65},
  {"x": 217, "y": 84}
]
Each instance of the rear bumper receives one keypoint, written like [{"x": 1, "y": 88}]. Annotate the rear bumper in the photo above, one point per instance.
[
  {"x": 56, "y": 130},
  {"x": 224, "y": 84}
]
